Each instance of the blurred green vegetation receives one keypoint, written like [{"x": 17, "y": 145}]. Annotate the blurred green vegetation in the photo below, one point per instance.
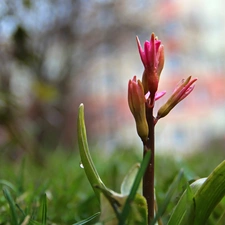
[{"x": 70, "y": 198}]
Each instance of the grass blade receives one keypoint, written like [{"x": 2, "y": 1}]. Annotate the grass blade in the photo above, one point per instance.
[
  {"x": 169, "y": 195},
  {"x": 88, "y": 219},
  {"x": 44, "y": 209},
  {"x": 129, "y": 180},
  {"x": 8, "y": 184},
  {"x": 32, "y": 222},
  {"x": 26, "y": 220},
  {"x": 12, "y": 205}
]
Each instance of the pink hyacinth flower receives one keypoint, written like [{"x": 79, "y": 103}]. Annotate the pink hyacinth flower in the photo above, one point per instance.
[{"x": 152, "y": 56}]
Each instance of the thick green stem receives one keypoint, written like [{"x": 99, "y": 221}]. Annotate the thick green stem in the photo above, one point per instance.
[{"x": 148, "y": 179}]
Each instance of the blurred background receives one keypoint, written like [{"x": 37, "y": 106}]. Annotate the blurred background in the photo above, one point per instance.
[{"x": 58, "y": 54}]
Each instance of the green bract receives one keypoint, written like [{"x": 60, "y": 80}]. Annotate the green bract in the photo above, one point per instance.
[{"x": 200, "y": 199}]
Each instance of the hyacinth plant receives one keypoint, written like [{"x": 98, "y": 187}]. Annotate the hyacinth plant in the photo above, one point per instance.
[{"x": 136, "y": 204}]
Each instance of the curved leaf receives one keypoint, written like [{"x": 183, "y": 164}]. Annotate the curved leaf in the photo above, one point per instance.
[
  {"x": 88, "y": 219},
  {"x": 12, "y": 205},
  {"x": 8, "y": 184},
  {"x": 179, "y": 215},
  {"x": 210, "y": 194},
  {"x": 86, "y": 159},
  {"x": 198, "y": 202},
  {"x": 44, "y": 208},
  {"x": 168, "y": 197},
  {"x": 129, "y": 180}
]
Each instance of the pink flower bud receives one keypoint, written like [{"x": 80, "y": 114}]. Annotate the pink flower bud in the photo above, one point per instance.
[
  {"x": 136, "y": 101},
  {"x": 180, "y": 92},
  {"x": 152, "y": 57}
]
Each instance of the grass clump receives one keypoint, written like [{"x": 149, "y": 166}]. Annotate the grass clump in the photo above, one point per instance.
[{"x": 58, "y": 192}]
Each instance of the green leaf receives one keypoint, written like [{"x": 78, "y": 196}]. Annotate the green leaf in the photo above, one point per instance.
[
  {"x": 26, "y": 220},
  {"x": 88, "y": 219},
  {"x": 32, "y": 222},
  {"x": 113, "y": 203},
  {"x": 138, "y": 212},
  {"x": 169, "y": 195},
  {"x": 131, "y": 196},
  {"x": 127, "y": 208},
  {"x": 111, "y": 206},
  {"x": 44, "y": 209},
  {"x": 8, "y": 184},
  {"x": 128, "y": 181},
  {"x": 196, "y": 208},
  {"x": 209, "y": 194},
  {"x": 86, "y": 159},
  {"x": 11, "y": 205},
  {"x": 221, "y": 219},
  {"x": 181, "y": 214}
]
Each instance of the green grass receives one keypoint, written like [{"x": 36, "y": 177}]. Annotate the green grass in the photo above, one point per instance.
[{"x": 57, "y": 192}]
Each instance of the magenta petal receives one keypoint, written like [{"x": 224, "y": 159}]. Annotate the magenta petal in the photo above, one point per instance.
[
  {"x": 159, "y": 95},
  {"x": 157, "y": 44},
  {"x": 152, "y": 52},
  {"x": 187, "y": 92},
  {"x": 141, "y": 51},
  {"x": 147, "y": 95},
  {"x": 147, "y": 49},
  {"x": 134, "y": 79}
]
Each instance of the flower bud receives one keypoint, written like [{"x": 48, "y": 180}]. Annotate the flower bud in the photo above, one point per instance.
[
  {"x": 180, "y": 92},
  {"x": 136, "y": 101}
]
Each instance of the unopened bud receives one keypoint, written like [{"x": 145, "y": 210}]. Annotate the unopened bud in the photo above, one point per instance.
[
  {"x": 136, "y": 101},
  {"x": 180, "y": 92}
]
